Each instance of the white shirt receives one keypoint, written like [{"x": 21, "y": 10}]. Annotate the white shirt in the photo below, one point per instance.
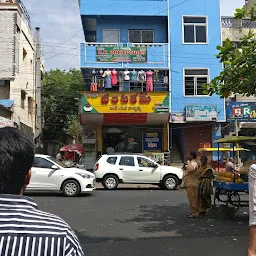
[{"x": 126, "y": 75}]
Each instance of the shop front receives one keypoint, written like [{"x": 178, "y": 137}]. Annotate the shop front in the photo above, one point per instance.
[
  {"x": 191, "y": 129},
  {"x": 128, "y": 122}
]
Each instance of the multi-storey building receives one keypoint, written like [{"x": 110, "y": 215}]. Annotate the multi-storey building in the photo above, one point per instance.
[
  {"x": 144, "y": 65},
  {"x": 18, "y": 68}
]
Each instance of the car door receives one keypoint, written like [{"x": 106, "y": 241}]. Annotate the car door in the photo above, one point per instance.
[
  {"x": 149, "y": 171},
  {"x": 128, "y": 169},
  {"x": 44, "y": 177}
]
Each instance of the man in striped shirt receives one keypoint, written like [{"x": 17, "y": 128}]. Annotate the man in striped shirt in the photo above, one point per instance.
[{"x": 25, "y": 230}]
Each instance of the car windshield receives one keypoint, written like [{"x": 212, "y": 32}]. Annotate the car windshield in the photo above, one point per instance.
[{"x": 58, "y": 162}]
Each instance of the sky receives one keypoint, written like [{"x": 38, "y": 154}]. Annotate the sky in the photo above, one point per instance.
[{"x": 61, "y": 29}]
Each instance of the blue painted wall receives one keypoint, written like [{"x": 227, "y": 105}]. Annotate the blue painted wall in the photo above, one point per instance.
[
  {"x": 158, "y": 24},
  {"x": 124, "y": 7},
  {"x": 194, "y": 55}
]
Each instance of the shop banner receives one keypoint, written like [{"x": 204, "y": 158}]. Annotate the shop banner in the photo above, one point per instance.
[
  {"x": 241, "y": 111},
  {"x": 201, "y": 113},
  {"x": 121, "y": 54},
  {"x": 178, "y": 117},
  {"x": 130, "y": 102},
  {"x": 4, "y": 122},
  {"x": 152, "y": 142}
]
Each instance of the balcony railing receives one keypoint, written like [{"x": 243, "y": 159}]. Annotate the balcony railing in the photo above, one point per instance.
[
  {"x": 157, "y": 56},
  {"x": 231, "y": 22}
]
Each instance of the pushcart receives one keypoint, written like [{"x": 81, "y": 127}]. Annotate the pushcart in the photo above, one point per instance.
[{"x": 232, "y": 194}]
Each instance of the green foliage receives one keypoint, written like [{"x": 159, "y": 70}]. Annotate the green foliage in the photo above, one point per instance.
[
  {"x": 60, "y": 90},
  {"x": 239, "y": 74}
]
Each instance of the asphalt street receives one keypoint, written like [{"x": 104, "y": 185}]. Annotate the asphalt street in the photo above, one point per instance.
[{"x": 148, "y": 222}]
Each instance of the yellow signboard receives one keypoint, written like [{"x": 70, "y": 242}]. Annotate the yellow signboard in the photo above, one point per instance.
[{"x": 125, "y": 102}]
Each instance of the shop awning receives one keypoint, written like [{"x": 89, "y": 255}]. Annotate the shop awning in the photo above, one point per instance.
[{"x": 100, "y": 119}]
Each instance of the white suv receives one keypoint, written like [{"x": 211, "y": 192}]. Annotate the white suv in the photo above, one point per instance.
[{"x": 133, "y": 168}]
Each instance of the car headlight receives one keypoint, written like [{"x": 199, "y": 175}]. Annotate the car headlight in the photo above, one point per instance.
[{"x": 84, "y": 175}]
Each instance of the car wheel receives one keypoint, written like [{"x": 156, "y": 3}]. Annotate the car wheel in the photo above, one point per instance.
[
  {"x": 170, "y": 182},
  {"x": 110, "y": 182},
  {"x": 71, "y": 188}
]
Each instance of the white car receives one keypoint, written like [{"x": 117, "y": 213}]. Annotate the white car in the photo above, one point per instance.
[
  {"x": 48, "y": 174},
  {"x": 133, "y": 168}
]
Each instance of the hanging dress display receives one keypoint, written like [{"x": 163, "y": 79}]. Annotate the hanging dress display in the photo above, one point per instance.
[
  {"x": 149, "y": 82},
  {"x": 107, "y": 76},
  {"x": 94, "y": 84},
  {"x": 121, "y": 80},
  {"x": 134, "y": 76},
  {"x": 127, "y": 75},
  {"x": 141, "y": 76},
  {"x": 114, "y": 74}
]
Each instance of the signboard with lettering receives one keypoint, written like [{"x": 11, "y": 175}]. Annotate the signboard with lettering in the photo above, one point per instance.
[
  {"x": 130, "y": 102},
  {"x": 121, "y": 54},
  {"x": 241, "y": 111},
  {"x": 152, "y": 142},
  {"x": 178, "y": 117},
  {"x": 201, "y": 113}
]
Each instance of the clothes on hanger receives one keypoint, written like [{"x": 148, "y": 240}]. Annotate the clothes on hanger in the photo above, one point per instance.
[
  {"x": 134, "y": 76},
  {"x": 114, "y": 74},
  {"x": 149, "y": 82},
  {"x": 141, "y": 76},
  {"x": 121, "y": 80},
  {"x": 156, "y": 75},
  {"x": 127, "y": 75},
  {"x": 107, "y": 76}
]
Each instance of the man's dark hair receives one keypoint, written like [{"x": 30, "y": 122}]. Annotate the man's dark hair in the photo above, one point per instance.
[
  {"x": 193, "y": 154},
  {"x": 16, "y": 159}
]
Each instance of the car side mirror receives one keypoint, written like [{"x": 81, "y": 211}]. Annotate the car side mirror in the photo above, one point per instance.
[
  {"x": 155, "y": 166},
  {"x": 54, "y": 167}
]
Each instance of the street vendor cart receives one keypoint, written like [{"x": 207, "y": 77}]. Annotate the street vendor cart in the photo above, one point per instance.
[{"x": 231, "y": 190}]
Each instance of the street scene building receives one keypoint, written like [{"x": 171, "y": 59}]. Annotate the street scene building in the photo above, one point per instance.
[
  {"x": 20, "y": 70},
  {"x": 144, "y": 70}
]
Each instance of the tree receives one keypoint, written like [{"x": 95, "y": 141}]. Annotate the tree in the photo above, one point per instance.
[
  {"x": 60, "y": 90},
  {"x": 239, "y": 74}
]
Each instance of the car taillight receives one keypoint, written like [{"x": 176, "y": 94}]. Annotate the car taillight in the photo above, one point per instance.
[{"x": 96, "y": 167}]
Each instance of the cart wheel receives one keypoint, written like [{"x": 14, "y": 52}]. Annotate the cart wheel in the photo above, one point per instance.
[
  {"x": 221, "y": 196},
  {"x": 234, "y": 200}
]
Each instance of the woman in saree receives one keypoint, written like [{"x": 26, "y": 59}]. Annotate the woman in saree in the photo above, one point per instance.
[{"x": 205, "y": 189}]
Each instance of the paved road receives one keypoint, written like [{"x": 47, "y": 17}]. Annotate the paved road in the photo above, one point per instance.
[{"x": 145, "y": 222}]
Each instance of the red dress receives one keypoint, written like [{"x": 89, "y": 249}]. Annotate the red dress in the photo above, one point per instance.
[
  {"x": 149, "y": 82},
  {"x": 114, "y": 77}
]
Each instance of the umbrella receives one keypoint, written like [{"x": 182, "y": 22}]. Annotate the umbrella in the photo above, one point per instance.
[{"x": 78, "y": 148}]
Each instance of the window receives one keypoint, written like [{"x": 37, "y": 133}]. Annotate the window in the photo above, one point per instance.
[
  {"x": 194, "y": 81},
  {"x": 42, "y": 163},
  {"x": 127, "y": 161},
  {"x": 195, "y": 30},
  {"x": 24, "y": 54},
  {"x": 112, "y": 160},
  {"x": 23, "y": 98},
  {"x": 111, "y": 36},
  {"x": 143, "y": 162},
  {"x": 30, "y": 105},
  {"x": 141, "y": 36}
]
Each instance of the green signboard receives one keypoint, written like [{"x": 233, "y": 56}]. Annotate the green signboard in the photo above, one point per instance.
[{"x": 121, "y": 54}]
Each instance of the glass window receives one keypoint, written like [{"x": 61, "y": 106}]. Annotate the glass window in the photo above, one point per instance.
[
  {"x": 143, "y": 162},
  {"x": 42, "y": 163},
  {"x": 112, "y": 160},
  {"x": 195, "y": 29},
  {"x": 141, "y": 36},
  {"x": 127, "y": 161},
  {"x": 194, "y": 81}
]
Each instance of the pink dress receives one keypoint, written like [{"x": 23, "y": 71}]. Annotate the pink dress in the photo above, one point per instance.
[
  {"x": 114, "y": 77},
  {"x": 149, "y": 82}
]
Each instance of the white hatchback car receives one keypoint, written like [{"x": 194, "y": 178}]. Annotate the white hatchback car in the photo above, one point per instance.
[
  {"x": 133, "y": 168},
  {"x": 48, "y": 174}
]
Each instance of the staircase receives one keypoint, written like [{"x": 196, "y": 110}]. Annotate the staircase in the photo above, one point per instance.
[{"x": 175, "y": 155}]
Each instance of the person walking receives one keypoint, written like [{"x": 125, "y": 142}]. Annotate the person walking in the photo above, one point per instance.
[
  {"x": 190, "y": 182},
  {"x": 24, "y": 229},
  {"x": 205, "y": 188}
]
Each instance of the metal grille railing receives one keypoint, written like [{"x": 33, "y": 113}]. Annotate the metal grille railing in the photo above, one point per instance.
[{"x": 231, "y": 22}]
